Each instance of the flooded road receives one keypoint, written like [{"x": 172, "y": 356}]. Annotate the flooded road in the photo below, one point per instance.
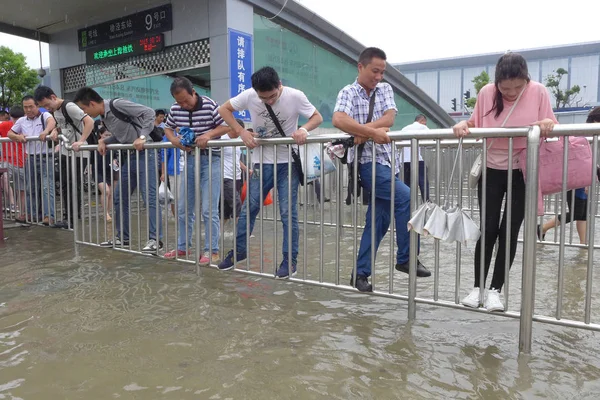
[{"x": 102, "y": 324}]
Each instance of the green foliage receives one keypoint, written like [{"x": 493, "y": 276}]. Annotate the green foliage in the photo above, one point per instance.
[
  {"x": 480, "y": 81},
  {"x": 562, "y": 98},
  {"x": 16, "y": 78}
]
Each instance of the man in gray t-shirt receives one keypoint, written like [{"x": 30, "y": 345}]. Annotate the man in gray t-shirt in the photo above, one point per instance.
[
  {"x": 128, "y": 123},
  {"x": 76, "y": 126}
]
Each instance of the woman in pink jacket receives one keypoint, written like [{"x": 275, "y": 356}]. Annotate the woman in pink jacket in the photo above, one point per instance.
[{"x": 513, "y": 100}]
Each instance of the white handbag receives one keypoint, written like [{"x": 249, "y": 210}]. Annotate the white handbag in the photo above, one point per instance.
[{"x": 475, "y": 172}]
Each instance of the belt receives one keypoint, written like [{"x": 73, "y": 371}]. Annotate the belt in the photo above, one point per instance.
[{"x": 38, "y": 155}]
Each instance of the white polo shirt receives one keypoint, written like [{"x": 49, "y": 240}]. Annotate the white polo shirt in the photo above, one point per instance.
[{"x": 415, "y": 126}]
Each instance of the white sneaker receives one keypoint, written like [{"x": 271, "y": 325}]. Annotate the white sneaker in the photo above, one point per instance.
[
  {"x": 152, "y": 246},
  {"x": 472, "y": 300},
  {"x": 493, "y": 301}
]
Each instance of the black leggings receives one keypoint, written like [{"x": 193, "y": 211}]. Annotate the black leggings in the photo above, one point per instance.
[{"x": 497, "y": 185}]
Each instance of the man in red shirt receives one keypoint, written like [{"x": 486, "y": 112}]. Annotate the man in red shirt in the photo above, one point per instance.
[{"x": 11, "y": 158}]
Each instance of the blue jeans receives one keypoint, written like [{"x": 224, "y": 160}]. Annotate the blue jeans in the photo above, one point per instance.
[
  {"x": 40, "y": 189},
  {"x": 253, "y": 196},
  {"x": 188, "y": 203},
  {"x": 130, "y": 169},
  {"x": 383, "y": 195},
  {"x": 423, "y": 179}
]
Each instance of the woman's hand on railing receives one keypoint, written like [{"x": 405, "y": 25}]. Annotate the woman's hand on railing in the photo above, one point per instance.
[
  {"x": 461, "y": 129},
  {"x": 546, "y": 126},
  {"x": 101, "y": 147}
]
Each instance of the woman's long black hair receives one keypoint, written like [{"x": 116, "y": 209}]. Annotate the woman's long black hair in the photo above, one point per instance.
[{"x": 509, "y": 66}]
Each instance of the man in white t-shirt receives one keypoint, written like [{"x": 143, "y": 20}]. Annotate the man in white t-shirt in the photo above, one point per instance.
[
  {"x": 77, "y": 126},
  {"x": 286, "y": 104},
  {"x": 420, "y": 124}
]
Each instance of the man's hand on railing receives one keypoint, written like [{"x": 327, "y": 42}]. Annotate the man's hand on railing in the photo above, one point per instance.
[
  {"x": 54, "y": 135},
  {"x": 380, "y": 136},
  {"x": 77, "y": 145},
  {"x": 461, "y": 129},
  {"x": 138, "y": 144},
  {"x": 101, "y": 147},
  {"x": 248, "y": 139},
  {"x": 546, "y": 126},
  {"x": 300, "y": 136},
  {"x": 202, "y": 141}
]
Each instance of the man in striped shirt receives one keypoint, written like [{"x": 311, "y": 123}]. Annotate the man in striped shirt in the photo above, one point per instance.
[{"x": 199, "y": 113}]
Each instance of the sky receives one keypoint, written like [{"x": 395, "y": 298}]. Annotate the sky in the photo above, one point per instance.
[{"x": 413, "y": 31}]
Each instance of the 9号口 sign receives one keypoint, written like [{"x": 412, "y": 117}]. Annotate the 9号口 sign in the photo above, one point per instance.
[{"x": 240, "y": 66}]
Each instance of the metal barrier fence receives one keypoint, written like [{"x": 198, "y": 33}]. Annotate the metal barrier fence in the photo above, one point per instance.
[
  {"x": 37, "y": 187},
  {"x": 328, "y": 234}
]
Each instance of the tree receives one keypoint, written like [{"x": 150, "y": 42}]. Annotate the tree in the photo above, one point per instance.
[
  {"x": 479, "y": 82},
  {"x": 16, "y": 78},
  {"x": 564, "y": 97}
]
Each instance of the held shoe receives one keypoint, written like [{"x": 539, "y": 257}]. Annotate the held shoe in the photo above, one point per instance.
[
  {"x": 493, "y": 301},
  {"x": 422, "y": 272}
]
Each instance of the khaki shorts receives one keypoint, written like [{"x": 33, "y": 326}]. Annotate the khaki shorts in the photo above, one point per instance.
[{"x": 15, "y": 174}]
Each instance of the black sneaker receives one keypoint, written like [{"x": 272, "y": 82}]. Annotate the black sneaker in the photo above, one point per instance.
[
  {"x": 283, "y": 271},
  {"x": 422, "y": 272},
  {"x": 540, "y": 235},
  {"x": 115, "y": 243},
  {"x": 228, "y": 262},
  {"x": 61, "y": 225},
  {"x": 362, "y": 284}
]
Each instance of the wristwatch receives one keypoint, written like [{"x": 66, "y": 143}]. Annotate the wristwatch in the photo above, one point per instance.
[{"x": 143, "y": 137}]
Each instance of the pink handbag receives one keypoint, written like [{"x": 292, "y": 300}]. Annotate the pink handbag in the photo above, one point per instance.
[{"x": 550, "y": 166}]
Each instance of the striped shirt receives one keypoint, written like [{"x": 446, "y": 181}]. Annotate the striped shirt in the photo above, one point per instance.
[
  {"x": 205, "y": 117},
  {"x": 354, "y": 101}
]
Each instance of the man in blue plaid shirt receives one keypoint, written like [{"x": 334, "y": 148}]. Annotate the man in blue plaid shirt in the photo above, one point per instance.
[{"x": 350, "y": 115}]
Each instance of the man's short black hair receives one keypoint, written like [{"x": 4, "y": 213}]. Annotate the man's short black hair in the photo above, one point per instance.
[
  {"x": 265, "y": 80},
  {"x": 86, "y": 95},
  {"x": 158, "y": 112},
  {"x": 181, "y": 83},
  {"x": 28, "y": 97},
  {"x": 16, "y": 112},
  {"x": 43, "y": 92},
  {"x": 369, "y": 54},
  {"x": 420, "y": 117}
]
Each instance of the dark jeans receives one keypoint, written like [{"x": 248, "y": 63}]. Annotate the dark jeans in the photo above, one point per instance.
[
  {"x": 423, "y": 179},
  {"x": 383, "y": 196},
  {"x": 497, "y": 185},
  {"x": 66, "y": 192}
]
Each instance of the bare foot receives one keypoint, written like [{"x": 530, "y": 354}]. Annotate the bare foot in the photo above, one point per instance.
[{"x": 108, "y": 218}]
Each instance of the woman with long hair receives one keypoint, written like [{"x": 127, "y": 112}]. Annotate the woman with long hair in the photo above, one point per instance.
[{"x": 513, "y": 100}]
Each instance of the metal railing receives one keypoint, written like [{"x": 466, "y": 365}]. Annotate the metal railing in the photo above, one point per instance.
[{"x": 328, "y": 235}]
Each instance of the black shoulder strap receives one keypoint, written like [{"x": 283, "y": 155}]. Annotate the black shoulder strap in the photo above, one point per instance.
[
  {"x": 275, "y": 120},
  {"x": 121, "y": 115},
  {"x": 43, "y": 122},
  {"x": 65, "y": 113},
  {"x": 369, "y": 119},
  {"x": 371, "y": 106}
]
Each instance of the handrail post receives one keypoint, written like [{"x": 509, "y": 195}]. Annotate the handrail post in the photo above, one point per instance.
[
  {"x": 414, "y": 238},
  {"x": 529, "y": 246}
]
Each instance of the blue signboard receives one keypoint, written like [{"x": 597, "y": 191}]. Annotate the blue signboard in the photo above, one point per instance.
[{"x": 240, "y": 66}]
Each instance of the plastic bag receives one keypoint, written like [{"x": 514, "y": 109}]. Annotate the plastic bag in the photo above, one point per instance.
[
  {"x": 315, "y": 166},
  {"x": 164, "y": 194}
]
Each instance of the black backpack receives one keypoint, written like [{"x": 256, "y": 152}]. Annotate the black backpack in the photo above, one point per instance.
[
  {"x": 68, "y": 119},
  {"x": 156, "y": 133}
]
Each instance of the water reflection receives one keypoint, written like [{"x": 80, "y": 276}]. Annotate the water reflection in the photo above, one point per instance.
[{"x": 101, "y": 325}]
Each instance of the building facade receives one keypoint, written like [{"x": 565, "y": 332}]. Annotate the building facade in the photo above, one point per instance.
[
  {"x": 217, "y": 44},
  {"x": 447, "y": 79}
]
